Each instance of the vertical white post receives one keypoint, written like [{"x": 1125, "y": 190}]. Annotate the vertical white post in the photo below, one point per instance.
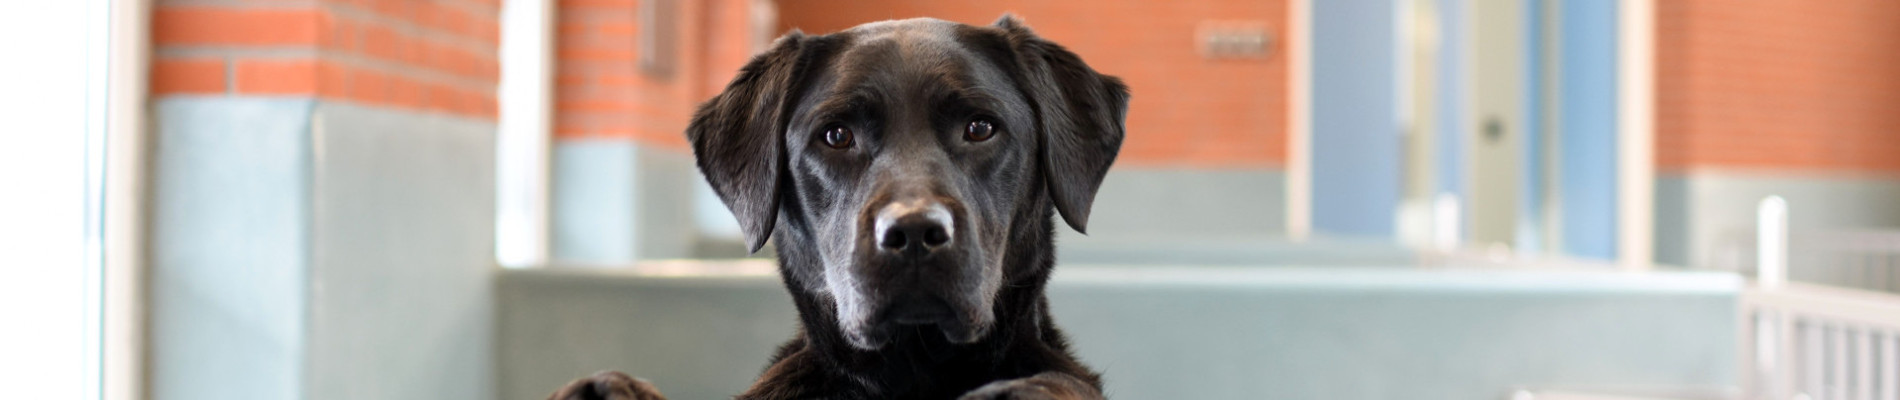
[
  {"x": 1636, "y": 161},
  {"x": 1767, "y": 351},
  {"x": 1889, "y": 366},
  {"x": 1837, "y": 351},
  {"x": 123, "y": 343},
  {"x": 1863, "y": 364},
  {"x": 1813, "y": 359},
  {"x": 526, "y": 127},
  {"x": 1771, "y": 243},
  {"x": 1446, "y": 223},
  {"x": 1299, "y": 163}
]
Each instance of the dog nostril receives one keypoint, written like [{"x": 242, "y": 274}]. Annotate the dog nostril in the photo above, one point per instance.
[
  {"x": 894, "y": 240},
  {"x": 935, "y": 236}
]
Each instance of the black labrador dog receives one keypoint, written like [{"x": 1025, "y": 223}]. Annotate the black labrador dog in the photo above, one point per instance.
[{"x": 911, "y": 171}]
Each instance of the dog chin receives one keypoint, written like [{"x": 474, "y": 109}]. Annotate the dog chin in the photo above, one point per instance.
[{"x": 877, "y": 336}]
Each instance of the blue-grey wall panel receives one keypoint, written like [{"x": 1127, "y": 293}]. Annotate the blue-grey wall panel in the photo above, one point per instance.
[
  {"x": 1530, "y": 190},
  {"x": 1453, "y": 97},
  {"x": 593, "y": 201},
  {"x": 1587, "y": 100},
  {"x": 1168, "y": 202},
  {"x": 402, "y": 256},
  {"x": 1356, "y": 130},
  {"x": 618, "y": 201},
  {"x": 229, "y": 270},
  {"x": 307, "y": 250}
]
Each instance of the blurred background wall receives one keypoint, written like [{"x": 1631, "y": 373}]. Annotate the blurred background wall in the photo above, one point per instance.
[
  {"x": 1213, "y": 123},
  {"x": 1507, "y": 109},
  {"x": 323, "y": 179},
  {"x": 323, "y": 198},
  {"x": 1790, "y": 98}
]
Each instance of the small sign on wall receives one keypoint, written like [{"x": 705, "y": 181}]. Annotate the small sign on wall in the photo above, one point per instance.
[
  {"x": 1233, "y": 39},
  {"x": 658, "y": 35}
]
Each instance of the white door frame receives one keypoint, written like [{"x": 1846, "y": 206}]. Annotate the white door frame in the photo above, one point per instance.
[
  {"x": 1636, "y": 161},
  {"x": 1299, "y": 132}
]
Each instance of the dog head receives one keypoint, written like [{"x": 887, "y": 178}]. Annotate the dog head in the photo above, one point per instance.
[{"x": 904, "y": 159}]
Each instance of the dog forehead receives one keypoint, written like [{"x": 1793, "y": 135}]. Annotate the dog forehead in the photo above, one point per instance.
[
  {"x": 906, "y": 30},
  {"x": 889, "y": 54}
]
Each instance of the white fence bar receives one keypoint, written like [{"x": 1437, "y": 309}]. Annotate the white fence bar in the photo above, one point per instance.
[
  {"x": 1771, "y": 243},
  {"x": 1822, "y": 343},
  {"x": 1837, "y": 341},
  {"x": 1889, "y": 367},
  {"x": 1863, "y": 365}
]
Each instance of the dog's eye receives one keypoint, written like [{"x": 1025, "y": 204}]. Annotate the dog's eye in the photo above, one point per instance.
[
  {"x": 979, "y": 130},
  {"x": 838, "y": 137}
]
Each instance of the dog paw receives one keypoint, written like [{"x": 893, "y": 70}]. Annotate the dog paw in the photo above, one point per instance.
[
  {"x": 608, "y": 385},
  {"x": 1017, "y": 389}
]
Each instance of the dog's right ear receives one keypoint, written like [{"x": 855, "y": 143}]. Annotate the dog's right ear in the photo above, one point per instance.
[
  {"x": 738, "y": 137},
  {"x": 1082, "y": 115}
]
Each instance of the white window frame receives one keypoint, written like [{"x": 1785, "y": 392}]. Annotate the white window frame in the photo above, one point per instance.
[{"x": 53, "y": 165}]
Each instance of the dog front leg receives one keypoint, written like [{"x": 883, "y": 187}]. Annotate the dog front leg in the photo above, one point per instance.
[
  {"x": 608, "y": 385},
  {"x": 1047, "y": 385}
]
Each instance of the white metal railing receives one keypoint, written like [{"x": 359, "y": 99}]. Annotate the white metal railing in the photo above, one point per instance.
[
  {"x": 1853, "y": 258},
  {"x": 1809, "y": 341}
]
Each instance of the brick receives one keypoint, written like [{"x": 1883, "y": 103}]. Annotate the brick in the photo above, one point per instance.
[
  {"x": 491, "y": 70},
  {"x": 446, "y": 59},
  {"x": 367, "y": 5},
  {"x": 414, "y": 52},
  {"x": 596, "y": 54},
  {"x": 487, "y": 31},
  {"x": 369, "y": 87},
  {"x": 491, "y": 6},
  {"x": 405, "y": 93},
  {"x": 333, "y": 80},
  {"x": 440, "y": 98},
  {"x": 336, "y": 32},
  {"x": 277, "y": 77},
  {"x": 399, "y": 9},
  {"x": 452, "y": 21},
  {"x": 188, "y": 76},
  {"x": 617, "y": 29},
  {"x": 1777, "y": 85},
  {"x": 626, "y": 4},
  {"x": 1213, "y": 113},
  {"x": 468, "y": 103},
  {"x": 488, "y": 108},
  {"x": 382, "y": 42},
  {"x": 238, "y": 27}
]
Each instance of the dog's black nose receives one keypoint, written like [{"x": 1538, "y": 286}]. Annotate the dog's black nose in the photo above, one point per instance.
[{"x": 914, "y": 227}]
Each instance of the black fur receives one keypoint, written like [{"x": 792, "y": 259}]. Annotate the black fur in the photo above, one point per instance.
[{"x": 907, "y": 89}]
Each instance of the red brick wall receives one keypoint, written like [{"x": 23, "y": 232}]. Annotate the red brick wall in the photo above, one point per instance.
[
  {"x": 1187, "y": 110},
  {"x": 424, "y": 55},
  {"x": 1778, "y": 84},
  {"x": 600, "y": 89}
]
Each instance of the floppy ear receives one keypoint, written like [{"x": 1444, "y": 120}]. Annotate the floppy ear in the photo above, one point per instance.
[
  {"x": 738, "y": 137},
  {"x": 1081, "y": 114}
]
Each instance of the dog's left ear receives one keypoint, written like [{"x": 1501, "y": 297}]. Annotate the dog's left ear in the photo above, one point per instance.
[
  {"x": 1081, "y": 113},
  {"x": 738, "y": 137}
]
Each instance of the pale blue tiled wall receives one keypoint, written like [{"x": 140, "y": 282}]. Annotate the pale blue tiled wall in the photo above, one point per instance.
[
  {"x": 230, "y": 263},
  {"x": 309, "y": 250}
]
